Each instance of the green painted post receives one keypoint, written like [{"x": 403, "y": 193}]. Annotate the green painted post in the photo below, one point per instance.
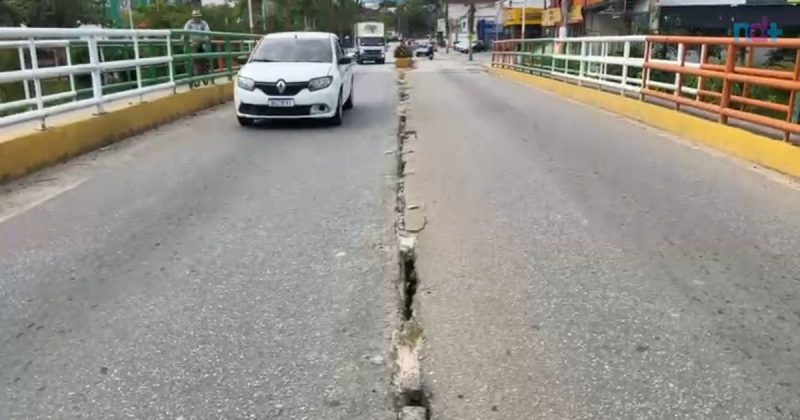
[
  {"x": 151, "y": 70},
  {"x": 228, "y": 57},
  {"x": 187, "y": 49}
]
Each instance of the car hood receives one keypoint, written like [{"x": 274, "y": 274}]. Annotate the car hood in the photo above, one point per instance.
[{"x": 289, "y": 72}]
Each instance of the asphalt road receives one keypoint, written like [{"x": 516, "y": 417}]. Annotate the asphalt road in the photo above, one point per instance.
[
  {"x": 206, "y": 271},
  {"x": 579, "y": 266}
]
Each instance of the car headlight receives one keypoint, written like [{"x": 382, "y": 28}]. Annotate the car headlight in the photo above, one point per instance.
[
  {"x": 320, "y": 83},
  {"x": 245, "y": 83}
]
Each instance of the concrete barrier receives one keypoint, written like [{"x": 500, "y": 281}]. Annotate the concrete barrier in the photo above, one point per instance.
[
  {"x": 26, "y": 153},
  {"x": 774, "y": 154}
]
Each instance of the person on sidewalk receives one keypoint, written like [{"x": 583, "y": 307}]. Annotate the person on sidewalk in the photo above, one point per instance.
[{"x": 199, "y": 43}]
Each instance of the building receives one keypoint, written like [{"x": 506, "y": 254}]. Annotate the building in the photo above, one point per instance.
[
  {"x": 717, "y": 17},
  {"x": 620, "y": 17},
  {"x": 510, "y": 12},
  {"x": 597, "y": 17}
]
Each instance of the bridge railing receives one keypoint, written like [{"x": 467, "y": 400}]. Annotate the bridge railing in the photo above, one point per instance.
[
  {"x": 49, "y": 71},
  {"x": 752, "y": 81}
]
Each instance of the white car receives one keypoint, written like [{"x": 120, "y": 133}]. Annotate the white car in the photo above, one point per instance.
[{"x": 295, "y": 75}]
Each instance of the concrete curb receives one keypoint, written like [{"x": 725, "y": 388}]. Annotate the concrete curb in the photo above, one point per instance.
[
  {"x": 29, "y": 152},
  {"x": 774, "y": 154}
]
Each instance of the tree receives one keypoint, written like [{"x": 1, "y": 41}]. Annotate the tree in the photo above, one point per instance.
[
  {"x": 8, "y": 15},
  {"x": 57, "y": 13}
]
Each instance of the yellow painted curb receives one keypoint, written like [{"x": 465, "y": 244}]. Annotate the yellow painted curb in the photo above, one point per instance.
[
  {"x": 773, "y": 154},
  {"x": 29, "y": 152}
]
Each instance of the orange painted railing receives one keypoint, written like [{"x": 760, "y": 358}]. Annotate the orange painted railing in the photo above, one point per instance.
[
  {"x": 724, "y": 103},
  {"x": 713, "y": 74}
]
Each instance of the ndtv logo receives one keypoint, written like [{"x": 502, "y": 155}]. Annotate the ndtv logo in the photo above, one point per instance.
[{"x": 759, "y": 31}]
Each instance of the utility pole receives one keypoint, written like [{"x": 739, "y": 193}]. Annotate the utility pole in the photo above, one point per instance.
[
  {"x": 563, "y": 30},
  {"x": 264, "y": 15},
  {"x": 447, "y": 27},
  {"x": 250, "y": 13},
  {"x": 471, "y": 27}
]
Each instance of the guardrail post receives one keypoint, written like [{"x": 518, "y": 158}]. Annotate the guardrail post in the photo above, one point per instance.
[
  {"x": 679, "y": 75},
  {"x": 68, "y": 51},
  {"x": 793, "y": 115},
  {"x": 725, "y": 100},
  {"x": 188, "y": 64},
  {"x": 748, "y": 62},
  {"x": 37, "y": 83},
  {"x": 97, "y": 74},
  {"x": 626, "y": 55},
  {"x": 23, "y": 66},
  {"x": 171, "y": 65},
  {"x": 228, "y": 58},
  {"x": 703, "y": 60},
  {"x": 582, "y": 71},
  {"x": 138, "y": 67},
  {"x": 648, "y": 47}
]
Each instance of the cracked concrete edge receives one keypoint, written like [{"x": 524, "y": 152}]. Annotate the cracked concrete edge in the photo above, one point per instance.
[
  {"x": 407, "y": 340},
  {"x": 413, "y": 413}
]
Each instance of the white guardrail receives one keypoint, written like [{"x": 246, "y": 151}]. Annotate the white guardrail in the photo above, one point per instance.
[
  {"x": 614, "y": 62},
  {"x": 48, "y": 55}
]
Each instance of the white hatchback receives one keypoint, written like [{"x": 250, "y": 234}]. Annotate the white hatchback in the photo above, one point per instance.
[{"x": 295, "y": 75}]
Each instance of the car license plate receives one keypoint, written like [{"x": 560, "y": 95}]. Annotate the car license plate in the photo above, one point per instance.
[{"x": 281, "y": 103}]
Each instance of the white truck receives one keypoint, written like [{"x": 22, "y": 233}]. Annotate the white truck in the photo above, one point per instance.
[{"x": 369, "y": 41}]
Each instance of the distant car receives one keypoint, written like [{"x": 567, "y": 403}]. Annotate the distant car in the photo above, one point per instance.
[
  {"x": 295, "y": 75},
  {"x": 460, "y": 46},
  {"x": 478, "y": 46},
  {"x": 423, "y": 49}
]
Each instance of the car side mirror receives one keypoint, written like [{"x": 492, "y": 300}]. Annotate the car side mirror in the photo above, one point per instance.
[
  {"x": 345, "y": 60},
  {"x": 242, "y": 59}
]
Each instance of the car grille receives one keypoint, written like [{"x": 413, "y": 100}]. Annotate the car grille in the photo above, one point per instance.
[
  {"x": 291, "y": 89},
  {"x": 372, "y": 53},
  {"x": 271, "y": 111}
]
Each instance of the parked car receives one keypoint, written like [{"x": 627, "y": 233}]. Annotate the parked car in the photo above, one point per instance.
[{"x": 295, "y": 75}]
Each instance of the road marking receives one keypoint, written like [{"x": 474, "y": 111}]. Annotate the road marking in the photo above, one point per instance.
[{"x": 24, "y": 198}]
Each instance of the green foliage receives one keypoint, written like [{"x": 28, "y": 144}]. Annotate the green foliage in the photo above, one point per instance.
[
  {"x": 161, "y": 15},
  {"x": 8, "y": 14},
  {"x": 54, "y": 13}
]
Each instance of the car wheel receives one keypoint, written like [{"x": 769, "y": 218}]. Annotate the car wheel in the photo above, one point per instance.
[
  {"x": 349, "y": 103},
  {"x": 336, "y": 119},
  {"x": 245, "y": 122}
]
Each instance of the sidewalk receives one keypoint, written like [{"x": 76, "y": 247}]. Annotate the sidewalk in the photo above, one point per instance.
[
  {"x": 34, "y": 126},
  {"x": 25, "y": 148}
]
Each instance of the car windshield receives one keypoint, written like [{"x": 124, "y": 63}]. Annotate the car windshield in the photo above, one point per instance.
[
  {"x": 372, "y": 42},
  {"x": 295, "y": 50}
]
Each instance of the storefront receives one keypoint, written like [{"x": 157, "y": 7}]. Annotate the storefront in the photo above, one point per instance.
[{"x": 512, "y": 22}]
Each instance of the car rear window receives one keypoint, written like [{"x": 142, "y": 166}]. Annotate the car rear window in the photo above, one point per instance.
[{"x": 296, "y": 50}]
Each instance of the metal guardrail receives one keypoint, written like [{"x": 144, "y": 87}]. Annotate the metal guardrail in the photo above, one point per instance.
[
  {"x": 673, "y": 69},
  {"x": 60, "y": 70}
]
